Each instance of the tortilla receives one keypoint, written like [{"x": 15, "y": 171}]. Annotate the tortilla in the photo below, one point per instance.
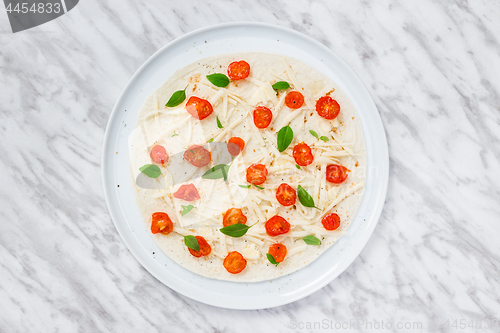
[{"x": 176, "y": 130}]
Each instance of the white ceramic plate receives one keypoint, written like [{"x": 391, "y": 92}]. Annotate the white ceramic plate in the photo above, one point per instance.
[{"x": 226, "y": 38}]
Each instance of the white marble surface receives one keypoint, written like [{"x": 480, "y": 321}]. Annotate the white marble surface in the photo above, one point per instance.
[{"x": 433, "y": 69}]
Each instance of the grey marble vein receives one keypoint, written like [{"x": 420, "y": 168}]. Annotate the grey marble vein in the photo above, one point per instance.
[{"x": 433, "y": 69}]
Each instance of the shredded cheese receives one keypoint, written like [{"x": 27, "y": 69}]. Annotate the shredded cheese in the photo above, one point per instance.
[
  {"x": 234, "y": 106},
  {"x": 297, "y": 249},
  {"x": 343, "y": 196}
]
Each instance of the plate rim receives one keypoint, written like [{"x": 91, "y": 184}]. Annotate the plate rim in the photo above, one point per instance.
[{"x": 377, "y": 211}]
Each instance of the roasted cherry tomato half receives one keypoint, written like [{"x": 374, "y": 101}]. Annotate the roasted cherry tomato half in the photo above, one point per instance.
[
  {"x": 161, "y": 223},
  {"x": 199, "y": 108},
  {"x": 278, "y": 251},
  {"x": 235, "y": 145},
  {"x": 327, "y": 107},
  {"x": 187, "y": 192},
  {"x": 233, "y": 216},
  {"x": 159, "y": 155},
  {"x": 294, "y": 100},
  {"x": 286, "y": 195},
  {"x": 302, "y": 154},
  {"x": 331, "y": 221},
  {"x": 205, "y": 248},
  {"x": 234, "y": 262},
  {"x": 277, "y": 225},
  {"x": 256, "y": 174},
  {"x": 336, "y": 173},
  {"x": 238, "y": 70},
  {"x": 197, "y": 156},
  {"x": 262, "y": 116}
]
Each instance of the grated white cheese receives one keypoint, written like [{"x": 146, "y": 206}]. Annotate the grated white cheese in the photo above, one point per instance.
[
  {"x": 251, "y": 252},
  {"x": 215, "y": 98},
  {"x": 322, "y": 231},
  {"x": 228, "y": 128},
  {"x": 233, "y": 105},
  {"x": 287, "y": 120},
  {"x": 254, "y": 240},
  {"x": 298, "y": 87},
  {"x": 342, "y": 197},
  {"x": 295, "y": 250}
]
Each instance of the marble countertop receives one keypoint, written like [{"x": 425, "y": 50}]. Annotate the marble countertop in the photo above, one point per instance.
[{"x": 433, "y": 69}]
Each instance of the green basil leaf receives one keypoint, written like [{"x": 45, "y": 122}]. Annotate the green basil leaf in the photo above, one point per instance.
[
  {"x": 311, "y": 240},
  {"x": 192, "y": 242},
  {"x": 177, "y": 98},
  {"x": 217, "y": 172},
  {"x": 150, "y": 170},
  {"x": 313, "y": 133},
  {"x": 297, "y": 166},
  {"x": 235, "y": 230},
  {"x": 271, "y": 259},
  {"x": 186, "y": 209},
  {"x": 324, "y": 138},
  {"x": 211, "y": 140},
  {"x": 285, "y": 136},
  {"x": 175, "y": 134},
  {"x": 218, "y": 80},
  {"x": 305, "y": 198},
  {"x": 245, "y": 186},
  {"x": 281, "y": 85},
  {"x": 260, "y": 188},
  {"x": 219, "y": 125}
]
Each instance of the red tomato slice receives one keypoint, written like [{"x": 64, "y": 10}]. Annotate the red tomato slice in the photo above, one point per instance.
[
  {"x": 205, "y": 248},
  {"x": 286, "y": 195},
  {"x": 327, "y": 107},
  {"x": 302, "y": 154},
  {"x": 262, "y": 116},
  {"x": 199, "y": 108},
  {"x": 235, "y": 145},
  {"x": 187, "y": 192},
  {"x": 161, "y": 223},
  {"x": 234, "y": 262},
  {"x": 197, "y": 156},
  {"x": 294, "y": 100},
  {"x": 159, "y": 155},
  {"x": 336, "y": 173},
  {"x": 277, "y": 225},
  {"x": 233, "y": 216},
  {"x": 278, "y": 251},
  {"x": 238, "y": 70},
  {"x": 331, "y": 221},
  {"x": 256, "y": 174}
]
